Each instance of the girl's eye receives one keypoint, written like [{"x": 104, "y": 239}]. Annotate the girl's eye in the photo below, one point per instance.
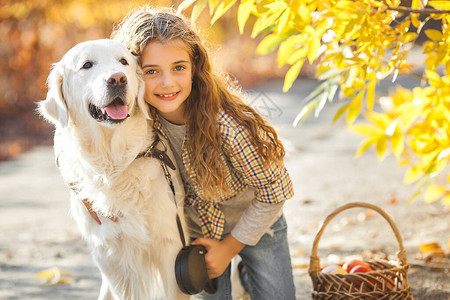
[
  {"x": 179, "y": 68},
  {"x": 150, "y": 72},
  {"x": 124, "y": 62},
  {"x": 87, "y": 65}
]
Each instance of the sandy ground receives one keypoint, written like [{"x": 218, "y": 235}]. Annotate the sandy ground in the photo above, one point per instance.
[{"x": 37, "y": 234}]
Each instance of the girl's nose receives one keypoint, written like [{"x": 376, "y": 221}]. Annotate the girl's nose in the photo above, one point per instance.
[{"x": 167, "y": 79}]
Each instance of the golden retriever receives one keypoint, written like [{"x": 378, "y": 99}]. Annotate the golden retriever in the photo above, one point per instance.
[{"x": 95, "y": 100}]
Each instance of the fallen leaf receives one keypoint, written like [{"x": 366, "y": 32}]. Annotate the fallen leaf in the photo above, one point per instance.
[
  {"x": 431, "y": 247},
  {"x": 300, "y": 251},
  {"x": 393, "y": 200},
  {"x": 300, "y": 266},
  {"x": 53, "y": 276}
]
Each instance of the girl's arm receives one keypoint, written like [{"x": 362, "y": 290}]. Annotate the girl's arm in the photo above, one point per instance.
[{"x": 220, "y": 253}]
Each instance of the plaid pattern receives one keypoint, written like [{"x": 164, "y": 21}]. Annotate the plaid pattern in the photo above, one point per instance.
[{"x": 271, "y": 182}]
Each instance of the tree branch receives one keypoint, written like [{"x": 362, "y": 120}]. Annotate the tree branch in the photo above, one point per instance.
[{"x": 424, "y": 11}]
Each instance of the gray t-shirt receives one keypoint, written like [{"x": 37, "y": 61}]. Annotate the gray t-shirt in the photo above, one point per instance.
[{"x": 246, "y": 218}]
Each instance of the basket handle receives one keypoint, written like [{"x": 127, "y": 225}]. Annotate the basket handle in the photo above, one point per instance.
[{"x": 314, "y": 265}]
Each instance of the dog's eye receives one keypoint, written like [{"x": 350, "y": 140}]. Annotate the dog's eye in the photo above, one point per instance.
[
  {"x": 124, "y": 62},
  {"x": 87, "y": 65}
]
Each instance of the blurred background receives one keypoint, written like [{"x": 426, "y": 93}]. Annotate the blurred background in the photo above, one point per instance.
[{"x": 36, "y": 33}]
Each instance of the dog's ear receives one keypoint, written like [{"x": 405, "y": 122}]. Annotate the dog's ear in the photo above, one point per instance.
[
  {"x": 54, "y": 108},
  {"x": 142, "y": 105}
]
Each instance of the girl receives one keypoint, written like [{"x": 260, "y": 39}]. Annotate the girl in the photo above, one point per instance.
[{"x": 229, "y": 157}]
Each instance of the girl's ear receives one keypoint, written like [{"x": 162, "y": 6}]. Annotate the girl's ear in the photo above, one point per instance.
[
  {"x": 54, "y": 108},
  {"x": 142, "y": 105}
]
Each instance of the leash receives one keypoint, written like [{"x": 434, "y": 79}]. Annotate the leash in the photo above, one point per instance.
[{"x": 165, "y": 162}]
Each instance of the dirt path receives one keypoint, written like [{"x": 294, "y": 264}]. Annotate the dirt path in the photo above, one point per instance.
[{"x": 37, "y": 233}]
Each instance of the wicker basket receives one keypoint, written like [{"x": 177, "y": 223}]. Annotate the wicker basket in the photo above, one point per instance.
[{"x": 385, "y": 281}]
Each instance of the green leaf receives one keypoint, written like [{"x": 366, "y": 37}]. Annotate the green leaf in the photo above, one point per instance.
[
  {"x": 292, "y": 74},
  {"x": 304, "y": 113},
  {"x": 221, "y": 9},
  {"x": 244, "y": 11}
]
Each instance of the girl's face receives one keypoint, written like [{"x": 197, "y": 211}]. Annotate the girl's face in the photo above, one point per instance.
[{"x": 167, "y": 71}]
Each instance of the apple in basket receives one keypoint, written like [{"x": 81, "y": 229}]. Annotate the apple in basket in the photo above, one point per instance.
[
  {"x": 349, "y": 265},
  {"x": 364, "y": 268},
  {"x": 333, "y": 269}
]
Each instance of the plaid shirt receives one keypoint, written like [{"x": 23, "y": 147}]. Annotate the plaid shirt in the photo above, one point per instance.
[{"x": 245, "y": 168}]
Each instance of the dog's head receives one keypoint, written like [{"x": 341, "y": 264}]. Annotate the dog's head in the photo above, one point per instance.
[{"x": 96, "y": 81}]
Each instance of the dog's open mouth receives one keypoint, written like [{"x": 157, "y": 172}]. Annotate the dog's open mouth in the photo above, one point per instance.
[{"x": 115, "y": 112}]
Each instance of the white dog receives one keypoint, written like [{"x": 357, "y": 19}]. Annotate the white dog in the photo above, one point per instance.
[{"x": 95, "y": 100}]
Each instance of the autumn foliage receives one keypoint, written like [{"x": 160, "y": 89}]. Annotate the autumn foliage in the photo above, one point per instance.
[{"x": 355, "y": 45}]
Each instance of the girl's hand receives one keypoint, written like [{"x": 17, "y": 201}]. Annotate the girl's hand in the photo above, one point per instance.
[{"x": 220, "y": 253}]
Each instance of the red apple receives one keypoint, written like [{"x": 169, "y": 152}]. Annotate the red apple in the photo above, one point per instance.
[
  {"x": 364, "y": 268},
  {"x": 351, "y": 264}
]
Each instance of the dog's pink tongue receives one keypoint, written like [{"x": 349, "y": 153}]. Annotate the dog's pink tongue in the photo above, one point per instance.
[{"x": 117, "y": 112}]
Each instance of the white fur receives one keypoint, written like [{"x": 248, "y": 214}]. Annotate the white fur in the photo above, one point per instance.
[{"x": 136, "y": 254}]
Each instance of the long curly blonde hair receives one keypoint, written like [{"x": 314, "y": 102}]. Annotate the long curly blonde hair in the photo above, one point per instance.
[{"x": 210, "y": 92}]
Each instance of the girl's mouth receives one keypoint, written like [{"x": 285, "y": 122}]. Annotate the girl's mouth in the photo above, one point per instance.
[{"x": 167, "y": 97}]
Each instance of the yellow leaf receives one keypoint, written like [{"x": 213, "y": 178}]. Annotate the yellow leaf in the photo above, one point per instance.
[
  {"x": 53, "y": 276},
  {"x": 354, "y": 108},
  {"x": 221, "y": 9},
  {"x": 313, "y": 48},
  {"x": 269, "y": 43},
  {"x": 397, "y": 141},
  {"x": 184, "y": 5},
  {"x": 284, "y": 18},
  {"x": 415, "y": 20},
  {"x": 413, "y": 174},
  {"x": 371, "y": 94},
  {"x": 446, "y": 201},
  {"x": 265, "y": 21},
  {"x": 276, "y": 5},
  {"x": 433, "y": 192},
  {"x": 434, "y": 247},
  {"x": 365, "y": 130},
  {"x": 381, "y": 147},
  {"x": 434, "y": 34},
  {"x": 244, "y": 11},
  {"x": 198, "y": 8},
  {"x": 416, "y": 4},
  {"x": 364, "y": 146},
  {"x": 297, "y": 55},
  {"x": 292, "y": 75},
  {"x": 212, "y": 5},
  {"x": 287, "y": 47},
  {"x": 340, "y": 112},
  {"x": 442, "y": 4}
]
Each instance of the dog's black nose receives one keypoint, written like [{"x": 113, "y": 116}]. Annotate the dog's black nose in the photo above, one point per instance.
[{"x": 117, "y": 79}]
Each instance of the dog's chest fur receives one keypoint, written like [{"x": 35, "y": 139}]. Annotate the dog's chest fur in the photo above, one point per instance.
[{"x": 103, "y": 169}]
